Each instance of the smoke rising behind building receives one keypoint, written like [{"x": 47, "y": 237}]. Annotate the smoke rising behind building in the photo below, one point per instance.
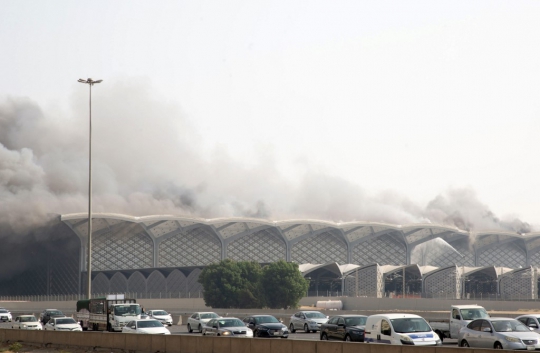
[{"x": 147, "y": 160}]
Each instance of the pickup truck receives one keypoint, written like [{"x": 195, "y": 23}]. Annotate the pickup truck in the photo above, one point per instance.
[{"x": 460, "y": 316}]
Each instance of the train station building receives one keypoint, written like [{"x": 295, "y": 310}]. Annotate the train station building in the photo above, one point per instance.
[{"x": 162, "y": 256}]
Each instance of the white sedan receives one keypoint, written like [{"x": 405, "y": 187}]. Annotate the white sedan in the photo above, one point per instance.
[
  {"x": 149, "y": 326},
  {"x": 62, "y": 324},
  {"x": 197, "y": 321},
  {"x": 26, "y": 322},
  {"x": 160, "y": 315},
  {"x": 5, "y": 315}
]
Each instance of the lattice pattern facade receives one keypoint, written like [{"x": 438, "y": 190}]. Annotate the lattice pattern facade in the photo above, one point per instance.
[
  {"x": 323, "y": 248},
  {"x": 365, "y": 282},
  {"x": 444, "y": 284},
  {"x": 519, "y": 284},
  {"x": 190, "y": 248},
  {"x": 263, "y": 246},
  {"x": 384, "y": 250},
  {"x": 122, "y": 251},
  {"x": 504, "y": 255}
]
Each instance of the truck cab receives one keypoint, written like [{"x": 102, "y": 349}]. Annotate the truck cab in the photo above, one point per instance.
[{"x": 462, "y": 315}]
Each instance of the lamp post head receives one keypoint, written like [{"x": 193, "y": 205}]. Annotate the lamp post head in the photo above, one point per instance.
[{"x": 89, "y": 81}]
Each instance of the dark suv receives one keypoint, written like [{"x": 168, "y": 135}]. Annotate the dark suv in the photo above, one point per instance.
[{"x": 46, "y": 315}]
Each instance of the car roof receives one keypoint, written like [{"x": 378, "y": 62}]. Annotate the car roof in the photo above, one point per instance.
[
  {"x": 26, "y": 316},
  {"x": 145, "y": 320},
  {"x": 260, "y": 315},
  {"x": 471, "y": 306},
  {"x": 349, "y": 315},
  {"x": 205, "y": 312},
  {"x": 395, "y": 316},
  {"x": 530, "y": 315},
  {"x": 309, "y": 311},
  {"x": 498, "y": 318}
]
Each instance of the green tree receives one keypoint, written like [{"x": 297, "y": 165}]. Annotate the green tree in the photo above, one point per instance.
[
  {"x": 283, "y": 284},
  {"x": 232, "y": 284}
]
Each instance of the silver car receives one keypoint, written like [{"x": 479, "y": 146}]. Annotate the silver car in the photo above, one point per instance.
[
  {"x": 499, "y": 333},
  {"x": 227, "y": 327},
  {"x": 531, "y": 320},
  {"x": 307, "y": 321}
]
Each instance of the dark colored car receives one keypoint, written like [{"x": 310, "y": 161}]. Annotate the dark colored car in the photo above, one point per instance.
[
  {"x": 344, "y": 328},
  {"x": 266, "y": 326},
  {"x": 46, "y": 315}
]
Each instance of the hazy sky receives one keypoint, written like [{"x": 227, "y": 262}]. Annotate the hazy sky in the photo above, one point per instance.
[{"x": 246, "y": 103}]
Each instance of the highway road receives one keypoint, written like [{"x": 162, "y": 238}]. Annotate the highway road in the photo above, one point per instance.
[{"x": 299, "y": 335}]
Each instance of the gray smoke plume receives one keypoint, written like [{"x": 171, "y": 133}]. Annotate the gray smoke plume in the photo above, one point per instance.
[{"x": 147, "y": 161}]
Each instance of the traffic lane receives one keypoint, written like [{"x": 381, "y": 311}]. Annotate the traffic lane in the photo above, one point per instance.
[{"x": 299, "y": 335}]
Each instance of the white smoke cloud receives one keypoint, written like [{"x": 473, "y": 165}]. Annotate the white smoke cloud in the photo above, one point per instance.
[{"x": 147, "y": 160}]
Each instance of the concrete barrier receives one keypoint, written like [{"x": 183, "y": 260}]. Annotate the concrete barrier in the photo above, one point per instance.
[{"x": 204, "y": 344}]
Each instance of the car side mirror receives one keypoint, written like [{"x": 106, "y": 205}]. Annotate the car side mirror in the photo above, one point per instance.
[
  {"x": 341, "y": 325},
  {"x": 215, "y": 326},
  {"x": 486, "y": 329},
  {"x": 533, "y": 326},
  {"x": 458, "y": 317}
]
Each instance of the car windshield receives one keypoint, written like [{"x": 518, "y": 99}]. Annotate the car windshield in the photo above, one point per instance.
[
  {"x": 28, "y": 319},
  {"x": 315, "y": 315},
  {"x": 159, "y": 312},
  {"x": 127, "y": 310},
  {"x": 230, "y": 323},
  {"x": 149, "y": 323},
  {"x": 65, "y": 321},
  {"x": 3, "y": 311},
  {"x": 412, "y": 324},
  {"x": 209, "y": 316},
  {"x": 55, "y": 313},
  {"x": 473, "y": 314},
  {"x": 266, "y": 319},
  {"x": 509, "y": 326},
  {"x": 355, "y": 321}
]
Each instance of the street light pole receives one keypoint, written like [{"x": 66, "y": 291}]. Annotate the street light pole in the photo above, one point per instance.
[{"x": 90, "y": 83}]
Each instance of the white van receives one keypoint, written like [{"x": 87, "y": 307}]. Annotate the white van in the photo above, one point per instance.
[{"x": 400, "y": 329}]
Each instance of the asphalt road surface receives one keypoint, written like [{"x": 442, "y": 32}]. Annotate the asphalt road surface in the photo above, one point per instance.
[{"x": 299, "y": 335}]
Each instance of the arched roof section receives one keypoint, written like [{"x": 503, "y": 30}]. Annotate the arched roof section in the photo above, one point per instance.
[
  {"x": 482, "y": 240},
  {"x": 332, "y": 267},
  {"x": 357, "y": 232},
  {"x": 418, "y": 233}
]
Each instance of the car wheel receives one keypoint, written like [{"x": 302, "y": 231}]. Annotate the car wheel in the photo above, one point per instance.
[
  {"x": 464, "y": 343},
  {"x": 200, "y": 328},
  {"x": 256, "y": 333},
  {"x": 498, "y": 345},
  {"x": 291, "y": 328},
  {"x": 324, "y": 337},
  {"x": 306, "y": 328},
  {"x": 189, "y": 328},
  {"x": 347, "y": 338}
]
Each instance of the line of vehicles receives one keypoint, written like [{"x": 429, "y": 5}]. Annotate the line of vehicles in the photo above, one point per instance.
[{"x": 470, "y": 325}]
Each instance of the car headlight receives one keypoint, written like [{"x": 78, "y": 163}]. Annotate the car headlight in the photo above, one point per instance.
[
  {"x": 512, "y": 339},
  {"x": 405, "y": 338},
  {"x": 226, "y": 333},
  {"x": 23, "y": 325}
]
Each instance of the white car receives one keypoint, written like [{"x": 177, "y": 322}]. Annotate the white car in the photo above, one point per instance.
[
  {"x": 62, "y": 324},
  {"x": 27, "y": 322},
  {"x": 198, "y": 321},
  {"x": 160, "y": 315},
  {"x": 5, "y": 315},
  {"x": 148, "y": 326},
  {"x": 227, "y": 327}
]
